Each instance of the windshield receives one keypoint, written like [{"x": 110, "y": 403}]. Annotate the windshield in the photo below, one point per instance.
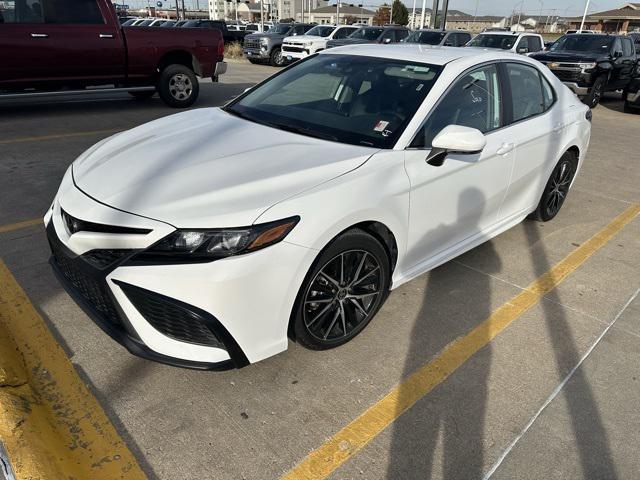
[
  {"x": 367, "y": 33},
  {"x": 170, "y": 23},
  {"x": 505, "y": 42},
  {"x": 281, "y": 29},
  {"x": 428, "y": 38},
  {"x": 343, "y": 98},
  {"x": 320, "y": 31},
  {"x": 191, "y": 23},
  {"x": 583, "y": 43},
  {"x": 129, "y": 22}
]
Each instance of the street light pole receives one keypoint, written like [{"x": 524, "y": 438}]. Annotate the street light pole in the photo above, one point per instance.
[
  {"x": 424, "y": 7},
  {"x": 391, "y": 13},
  {"x": 413, "y": 16},
  {"x": 337, "y": 12},
  {"x": 445, "y": 11},
  {"x": 434, "y": 14},
  {"x": 584, "y": 16}
]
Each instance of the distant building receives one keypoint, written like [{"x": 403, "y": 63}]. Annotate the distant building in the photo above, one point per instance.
[
  {"x": 250, "y": 9},
  {"x": 623, "y": 19},
  {"x": 328, "y": 15}
]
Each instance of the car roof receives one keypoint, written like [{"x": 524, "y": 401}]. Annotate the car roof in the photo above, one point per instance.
[
  {"x": 416, "y": 52},
  {"x": 504, "y": 32},
  {"x": 453, "y": 30}
]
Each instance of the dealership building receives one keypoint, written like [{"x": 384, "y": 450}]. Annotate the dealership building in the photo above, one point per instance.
[{"x": 623, "y": 19}]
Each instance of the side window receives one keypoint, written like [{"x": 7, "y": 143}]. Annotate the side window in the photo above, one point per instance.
[
  {"x": 617, "y": 47},
  {"x": 464, "y": 38},
  {"x": 547, "y": 92},
  {"x": 526, "y": 91},
  {"x": 21, "y": 11},
  {"x": 523, "y": 43},
  {"x": 342, "y": 33},
  {"x": 451, "y": 40},
  {"x": 401, "y": 35},
  {"x": 387, "y": 36},
  {"x": 535, "y": 45},
  {"x": 473, "y": 101},
  {"x": 72, "y": 11},
  {"x": 627, "y": 47}
]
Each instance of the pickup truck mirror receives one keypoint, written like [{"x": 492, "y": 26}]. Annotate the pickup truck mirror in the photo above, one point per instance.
[
  {"x": 386, "y": 40},
  {"x": 617, "y": 54},
  {"x": 523, "y": 50}
]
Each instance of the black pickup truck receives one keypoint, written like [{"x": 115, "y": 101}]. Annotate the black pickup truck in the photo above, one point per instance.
[
  {"x": 229, "y": 36},
  {"x": 591, "y": 64}
]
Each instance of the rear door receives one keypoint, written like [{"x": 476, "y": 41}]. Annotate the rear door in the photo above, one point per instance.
[
  {"x": 88, "y": 43},
  {"x": 627, "y": 62},
  {"x": 26, "y": 50}
]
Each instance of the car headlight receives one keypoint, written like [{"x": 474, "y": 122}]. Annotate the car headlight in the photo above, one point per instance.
[
  {"x": 196, "y": 245},
  {"x": 587, "y": 65},
  {"x": 307, "y": 44},
  {"x": 264, "y": 41}
]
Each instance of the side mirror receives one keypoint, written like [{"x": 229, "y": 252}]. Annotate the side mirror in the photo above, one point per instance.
[
  {"x": 617, "y": 54},
  {"x": 523, "y": 50},
  {"x": 386, "y": 40},
  {"x": 455, "y": 139}
]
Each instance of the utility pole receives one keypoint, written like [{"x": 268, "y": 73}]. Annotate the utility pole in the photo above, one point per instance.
[
  {"x": 337, "y": 12},
  {"x": 424, "y": 7},
  {"x": 261, "y": 16},
  {"x": 445, "y": 10},
  {"x": 177, "y": 11},
  {"x": 584, "y": 16},
  {"x": 434, "y": 14},
  {"x": 184, "y": 12},
  {"x": 391, "y": 13},
  {"x": 413, "y": 16}
]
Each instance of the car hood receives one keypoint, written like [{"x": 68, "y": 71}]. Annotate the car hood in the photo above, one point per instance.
[
  {"x": 302, "y": 38},
  {"x": 207, "y": 168},
  {"x": 257, "y": 36},
  {"x": 568, "y": 57}
]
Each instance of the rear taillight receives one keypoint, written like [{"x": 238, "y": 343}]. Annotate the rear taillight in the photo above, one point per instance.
[{"x": 221, "y": 48}]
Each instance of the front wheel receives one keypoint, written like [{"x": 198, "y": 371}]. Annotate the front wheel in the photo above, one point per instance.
[
  {"x": 276, "y": 59},
  {"x": 178, "y": 86},
  {"x": 595, "y": 95},
  {"x": 342, "y": 292},
  {"x": 556, "y": 189}
]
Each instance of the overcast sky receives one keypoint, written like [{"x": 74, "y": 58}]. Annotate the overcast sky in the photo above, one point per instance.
[{"x": 485, "y": 7}]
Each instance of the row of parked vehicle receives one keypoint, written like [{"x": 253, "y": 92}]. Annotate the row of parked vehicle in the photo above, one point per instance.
[{"x": 589, "y": 64}]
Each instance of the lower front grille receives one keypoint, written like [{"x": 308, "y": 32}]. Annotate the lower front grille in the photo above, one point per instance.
[
  {"x": 291, "y": 48},
  {"x": 253, "y": 44},
  {"x": 171, "y": 317}
]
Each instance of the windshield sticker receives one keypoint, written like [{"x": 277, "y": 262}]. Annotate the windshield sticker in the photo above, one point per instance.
[{"x": 380, "y": 126}]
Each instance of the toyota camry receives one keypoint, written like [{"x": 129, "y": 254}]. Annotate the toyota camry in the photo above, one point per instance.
[{"x": 209, "y": 238}]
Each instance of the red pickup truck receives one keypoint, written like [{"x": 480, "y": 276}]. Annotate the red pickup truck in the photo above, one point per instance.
[{"x": 62, "y": 47}]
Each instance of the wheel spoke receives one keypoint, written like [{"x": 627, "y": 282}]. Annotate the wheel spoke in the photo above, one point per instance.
[
  {"x": 363, "y": 296},
  {"x": 358, "y": 306},
  {"x": 332, "y": 280},
  {"x": 322, "y": 312},
  {"x": 366, "y": 276},
  {"x": 359, "y": 269},
  {"x": 333, "y": 322},
  {"x": 344, "y": 320},
  {"x": 342, "y": 269}
]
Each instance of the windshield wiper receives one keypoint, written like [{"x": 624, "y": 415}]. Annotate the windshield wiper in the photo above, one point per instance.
[{"x": 303, "y": 131}]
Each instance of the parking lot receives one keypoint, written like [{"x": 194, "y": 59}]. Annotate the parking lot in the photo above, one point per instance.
[{"x": 519, "y": 359}]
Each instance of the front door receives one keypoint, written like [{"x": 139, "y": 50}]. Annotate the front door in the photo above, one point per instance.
[{"x": 462, "y": 198}]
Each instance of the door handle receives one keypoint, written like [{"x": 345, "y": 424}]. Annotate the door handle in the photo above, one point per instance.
[
  {"x": 106, "y": 35},
  {"x": 505, "y": 148},
  {"x": 39, "y": 35}
]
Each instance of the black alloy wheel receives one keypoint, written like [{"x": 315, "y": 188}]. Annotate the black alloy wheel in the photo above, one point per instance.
[
  {"x": 557, "y": 188},
  {"x": 343, "y": 292}
]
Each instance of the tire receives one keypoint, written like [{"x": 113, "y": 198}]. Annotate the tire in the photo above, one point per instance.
[
  {"x": 254, "y": 61},
  {"x": 597, "y": 90},
  {"x": 556, "y": 189},
  {"x": 343, "y": 308},
  {"x": 143, "y": 95},
  {"x": 276, "y": 59},
  {"x": 178, "y": 86},
  {"x": 629, "y": 108}
]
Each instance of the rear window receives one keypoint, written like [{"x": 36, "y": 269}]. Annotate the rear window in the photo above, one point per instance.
[{"x": 72, "y": 12}]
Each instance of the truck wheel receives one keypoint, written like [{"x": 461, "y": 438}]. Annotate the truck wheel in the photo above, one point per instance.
[
  {"x": 254, "y": 61},
  {"x": 596, "y": 92},
  {"x": 276, "y": 59},
  {"x": 178, "y": 86},
  {"x": 143, "y": 95}
]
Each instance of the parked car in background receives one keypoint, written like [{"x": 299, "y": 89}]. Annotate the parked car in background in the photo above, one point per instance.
[
  {"x": 447, "y": 38},
  {"x": 124, "y": 20},
  {"x": 146, "y": 22},
  {"x": 376, "y": 164},
  {"x": 592, "y": 64},
  {"x": 180, "y": 23},
  {"x": 632, "y": 94},
  {"x": 229, "y": 36},
  {"x": 569, "y": 32},
  {"x": 315, "y": 40},
  {"x": 516, "y": 42},
  {"x": 387, "y": 34},
  {"x": 131, "y": 21},
  {"x": 267, "y": 46},
  {"x": 66, "y": 49},
  {"x": 169, "y": 23},
  {"x": 158, "y": 22}
]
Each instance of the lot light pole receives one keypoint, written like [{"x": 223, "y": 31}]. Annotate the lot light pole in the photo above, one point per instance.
[
  {"x": 584, "y": 16},
  {"x": 445, "y": 10},
  {"x": 413, "y": 15},
  {"x": 337, "y": 12},
  {"x": 434, "y": 14},
  {"x": 424, "y": 7}
]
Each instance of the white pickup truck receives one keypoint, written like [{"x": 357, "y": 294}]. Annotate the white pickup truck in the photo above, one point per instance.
[{"x": 301, "y": 46}]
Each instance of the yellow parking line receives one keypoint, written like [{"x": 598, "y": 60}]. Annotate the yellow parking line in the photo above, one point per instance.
[
  {"x": 51, "y": 425},
  {"x": 20, "y": 225},
  {"x": 42, "y": 138},
  {"x": 322, "y": 462}
]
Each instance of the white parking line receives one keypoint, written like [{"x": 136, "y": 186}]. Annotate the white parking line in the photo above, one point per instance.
[{"x": 555, "y": 393}]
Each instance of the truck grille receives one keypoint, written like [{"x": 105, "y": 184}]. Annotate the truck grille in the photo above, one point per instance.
[
  {"x": 170, "y": 317},
  {"x": 252, "y": 44},
  {"x": 292, "y": 48}
]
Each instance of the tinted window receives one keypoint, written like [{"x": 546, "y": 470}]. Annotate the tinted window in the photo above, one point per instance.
[
  {"x": 367, "y": 33},
  {"x": 21, "y": 11},
  {"x": 387, "y": 36},
  {"x": 504, "y": 42},
  {"x": 463, "y": 39},
  {"x": 617, "y": 47},
  {"x": 535, "y": 45},
  {"x": 547, "y": 92},
  {"x": 344, "y": 98},
  {"x": 426, "y": 37},
  {"x": 526, "y": 91},
  {"x": 583, "y": 43},
  {"x": 343, "y": 32},
  {"x": 72, "y": 11},
  {"x": 473, "y": 101},
  {"x": 401, "y": 34},
  {"x": 627, "y": 47}
]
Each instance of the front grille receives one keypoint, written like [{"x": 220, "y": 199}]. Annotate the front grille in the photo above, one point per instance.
[
  {"x": 291, "y": 48},
  {"x": 170, "y": 317},
  {"x": 252, "y": 44},
  {"x": 75, "y": 225},
  {"x": 92, "y": 288},
  {"x": 104, "y": 258}
]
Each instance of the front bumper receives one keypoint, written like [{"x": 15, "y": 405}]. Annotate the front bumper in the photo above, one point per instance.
[
  {"x": 213, "y": 316},
  {"x": 258, "y": 53},
  {"x": 294, "y": 52}
]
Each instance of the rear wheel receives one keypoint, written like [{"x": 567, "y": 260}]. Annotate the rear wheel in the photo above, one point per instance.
[
  {"x": 343, "y": 291},
  {"x": 595, "y": 95},
  {"x": 557, "y": 188},
  {"x": 178, "y": 86}
]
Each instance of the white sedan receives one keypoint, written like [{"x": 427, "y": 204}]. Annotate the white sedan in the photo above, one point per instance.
[{"x": 209, "y": 238}]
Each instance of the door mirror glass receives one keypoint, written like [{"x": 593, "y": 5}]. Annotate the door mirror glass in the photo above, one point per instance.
[
  {"x": 387, "y": 40},
  {"x": 523, "y": 50},
  {"x": 455, "y": 139}
]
